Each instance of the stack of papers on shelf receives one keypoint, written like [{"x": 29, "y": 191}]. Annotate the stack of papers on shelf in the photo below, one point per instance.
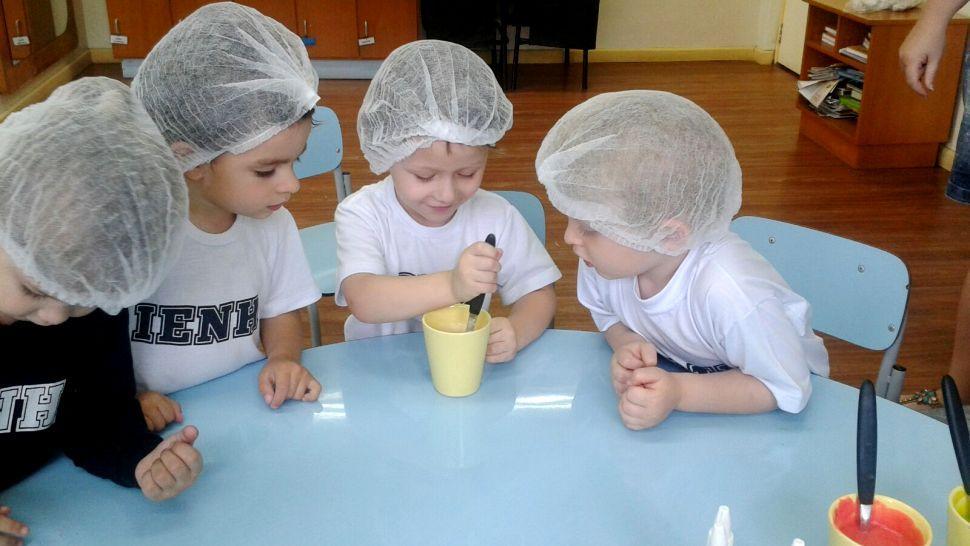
[
  {"x": 828, "y": 36},
  {"x": 833, "y": 91}
]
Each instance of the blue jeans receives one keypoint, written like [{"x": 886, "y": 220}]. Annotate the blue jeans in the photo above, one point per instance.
[{"x": 958, "y": 187}]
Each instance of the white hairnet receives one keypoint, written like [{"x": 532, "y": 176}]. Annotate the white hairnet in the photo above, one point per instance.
[
  {"x": 92, "y": 202},
  {"x": 626, "y": 163},
  {"x": 426, "y": 91},
  {"x": 225, "y": 79}
]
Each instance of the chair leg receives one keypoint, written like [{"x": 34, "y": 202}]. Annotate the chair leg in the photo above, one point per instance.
[
  {"x": 348, "y": 187},
  {"x": 890, "y": 380},
  {"x": 314, "y": 325},
  {"x": 585, "y": 69},
  {"x": 338, "y": 183},
  {"x": 515, "y": 56}
]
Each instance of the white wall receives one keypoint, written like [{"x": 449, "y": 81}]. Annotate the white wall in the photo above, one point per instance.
[
  {"x": 688, "y": 24},
  {"x": 623, "y": 24}
]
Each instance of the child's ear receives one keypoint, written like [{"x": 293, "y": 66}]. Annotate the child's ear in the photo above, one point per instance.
[
  {"x": 676, "y": 239},
  {"x": 198, "y": 174}
]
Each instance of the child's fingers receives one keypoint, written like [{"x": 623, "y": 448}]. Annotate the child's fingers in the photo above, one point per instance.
[
  {"x": 11, "y": 526},
  {"x": 177, "y": 408},
  {"x": 647, "y": 376},
  {"x": 156, "y": 420},
  {"x": 313, "y": 390},
  {"x": 266, "y": 385},
  {"x": 281, "y": 389}
]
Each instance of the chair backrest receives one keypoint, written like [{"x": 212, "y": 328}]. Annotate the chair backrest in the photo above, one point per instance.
[
  {"x": 531, "y": 208},
  {"x": 858, "y": 293},
  {"x": 324, "y": 148}
]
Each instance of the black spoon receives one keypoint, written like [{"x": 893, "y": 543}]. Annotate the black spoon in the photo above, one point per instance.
[
  {"x": 958, "y": 429},
  {"x": 476, "y": 304},
  {"x": 865, "y": 452}
]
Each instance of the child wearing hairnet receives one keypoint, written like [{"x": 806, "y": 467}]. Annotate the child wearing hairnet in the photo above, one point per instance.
[
  {"x": 91, "y": 212},
  {"x": 649, "y": 183},
  {"x": 233, "y": 93},
  {"x": 413, "y": 242}
]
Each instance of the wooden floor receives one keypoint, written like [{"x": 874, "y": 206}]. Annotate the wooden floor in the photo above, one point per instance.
[{"x": 786, "y": 177}]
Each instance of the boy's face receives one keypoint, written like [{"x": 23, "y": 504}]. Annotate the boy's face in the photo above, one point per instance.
[
  {"x": 433, "y": 182},
  {"x": 254, "y": 184},
  {"x": 610, "y": 259},
  {"x": 20, "y": 299}
]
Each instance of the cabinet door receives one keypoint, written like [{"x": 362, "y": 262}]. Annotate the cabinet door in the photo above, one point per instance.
[
  {"x": 15, "y": 14},
  {"x": 330, "y": 26},
  {"x": 141, "y": 22},
  {"x": 390, "y": 22},
  {"x": 281, "y": 10}
]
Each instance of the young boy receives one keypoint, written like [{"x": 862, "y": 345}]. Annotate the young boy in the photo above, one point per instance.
[
  {"x": 233, "y": 93},
  {"x": 413, "y": 242},
  {"x": 91, "y": 211},
  {"x": 649, "y": 182}
]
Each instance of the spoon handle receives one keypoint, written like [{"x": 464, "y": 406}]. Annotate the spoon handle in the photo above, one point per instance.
[
  {"x": 866, "y": 445},
  {"x": 957, "y": 421}
]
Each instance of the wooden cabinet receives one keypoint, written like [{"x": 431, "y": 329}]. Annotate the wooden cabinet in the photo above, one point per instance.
[
  {"x": 895, "y": 126},
  {"x": 139, "y": 24},
  {"x": 330, "y": 28},
  {"x": 389, "y": 22},
  {"x": 51, "y": 36},
  {"x": 281, "y": 10}
]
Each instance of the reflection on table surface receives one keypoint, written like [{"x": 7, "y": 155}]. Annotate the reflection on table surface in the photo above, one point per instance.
[{"x": 537, "y": 456}]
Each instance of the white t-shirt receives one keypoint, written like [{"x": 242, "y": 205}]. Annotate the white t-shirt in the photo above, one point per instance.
[
  {"x": 376, "y": 235},
  {"x": 203, "y": 321},
  {"x": 725, "y": 305}
]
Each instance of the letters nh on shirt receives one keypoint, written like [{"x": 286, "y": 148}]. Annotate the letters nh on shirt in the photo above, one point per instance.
[
  {"x": 194, "y": 324},
  {"x": 39, "y": 406}
]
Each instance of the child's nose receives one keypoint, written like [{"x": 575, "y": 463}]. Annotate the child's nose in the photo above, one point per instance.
[
  {"x": 446, "y": 191},
  {"x": 571, "y": 236},
  {"x": 289, "y": 184},
  {"x": 53, "y": 314}
]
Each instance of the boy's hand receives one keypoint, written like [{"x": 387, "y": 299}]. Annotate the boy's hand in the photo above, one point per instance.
[
  {"x": 12, "y": 532},
  {"x": 283, "y": 379},
  {"x": 627, "y": 358},
  {"x": 171, "y": 467},
  {"x": 652, "y": 395},
  {"x": 502, "y": 343},
  {"x": 476, "y": 272},
  {"x": 159, "y": 410}
]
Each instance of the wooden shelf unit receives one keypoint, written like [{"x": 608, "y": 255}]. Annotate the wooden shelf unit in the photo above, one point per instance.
[{"x": 896, "y": 127}]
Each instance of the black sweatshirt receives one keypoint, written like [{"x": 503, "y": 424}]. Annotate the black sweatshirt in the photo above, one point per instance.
[{"x": 71, "y": 389}]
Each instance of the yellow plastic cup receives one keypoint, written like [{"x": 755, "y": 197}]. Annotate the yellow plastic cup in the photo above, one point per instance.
[
  {"x": 838, "y": 538},
  {"x": 958, "y": 518},
  {"x": 456, "y": 357}
]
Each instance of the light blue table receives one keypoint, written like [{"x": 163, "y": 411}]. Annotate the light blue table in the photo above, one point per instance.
[{"x": 537, "y": 456}]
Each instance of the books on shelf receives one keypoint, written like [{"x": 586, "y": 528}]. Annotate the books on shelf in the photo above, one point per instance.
[
  {"x": 858, "y": 52},
  {"x": 828, "y": 36}
]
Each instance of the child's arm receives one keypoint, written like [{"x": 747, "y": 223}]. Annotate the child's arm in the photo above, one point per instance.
[
  {"x": 283, "y": 377},
  {"x": 530, "y": 316},
  {"x": 376, "y": 299},
  {"x": 919, "y": 56},
  {"x": 655, "y": 393}
]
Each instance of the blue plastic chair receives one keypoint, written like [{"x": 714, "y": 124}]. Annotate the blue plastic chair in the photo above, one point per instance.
[
  {"x": 858, "y": 293},
  {"x": 324, "y": 153},
  {"x": 531, "y": 208}
]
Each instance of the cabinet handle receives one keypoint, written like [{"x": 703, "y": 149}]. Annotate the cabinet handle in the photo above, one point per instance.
[
  {"x": 366, "y": 34},
  {"x": 117, "y": 31},
  {"x": 305, "y": 33},
  {"x": 16, "y": 26}
]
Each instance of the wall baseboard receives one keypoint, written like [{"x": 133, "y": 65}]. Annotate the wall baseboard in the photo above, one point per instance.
[
  {"x": 946, "y": 157},
  {"x": 38, "y": 89},
  {"x": 103, "y": 55}
]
